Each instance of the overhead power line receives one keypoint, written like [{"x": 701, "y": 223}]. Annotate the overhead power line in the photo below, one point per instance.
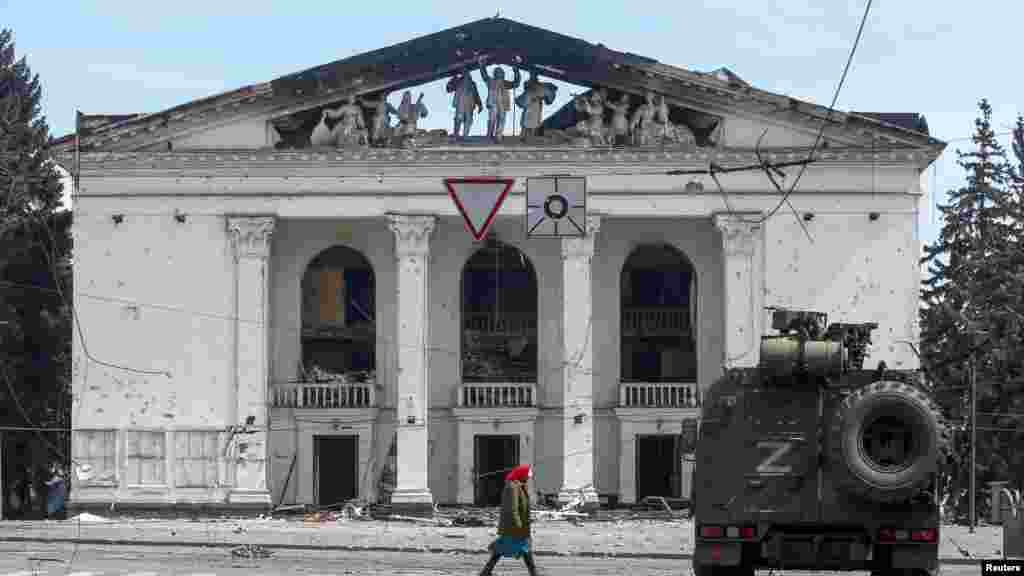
[{"x": 828, "y": 117}]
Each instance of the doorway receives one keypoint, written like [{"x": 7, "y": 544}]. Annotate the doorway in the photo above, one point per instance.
[
  {"x": 336, "y": 468},
  {"x": 657, "y": 466},
  {"x": 493, "y": 456}
]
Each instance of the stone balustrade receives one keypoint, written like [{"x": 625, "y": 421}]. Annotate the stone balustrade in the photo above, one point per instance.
[
  {"x": 323, "y": 395},
  {"x": 655, "y": 320},
  {"x": 497, "y": 395},
  {"x": 659, "y": 395}
]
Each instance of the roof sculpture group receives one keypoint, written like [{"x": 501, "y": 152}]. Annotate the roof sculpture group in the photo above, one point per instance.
[
  {"x": 600, "y": 120},
  {"x": 633, "y": 100}
]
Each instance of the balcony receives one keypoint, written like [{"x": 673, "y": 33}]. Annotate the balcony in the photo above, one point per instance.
[
  {"x": 323, "y": 395},
  {"x": 659, "y": 395},
  {"x": 497, "y": 395},
  {"x": 655, "y": 321},
  {"x": 509, "y": 323}
]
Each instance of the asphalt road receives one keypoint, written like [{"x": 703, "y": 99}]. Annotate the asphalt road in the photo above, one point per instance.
[{"x": 30, "y": 559}]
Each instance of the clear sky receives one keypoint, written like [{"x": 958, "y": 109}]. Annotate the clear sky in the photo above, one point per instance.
[{"x": 937, "y": 58}]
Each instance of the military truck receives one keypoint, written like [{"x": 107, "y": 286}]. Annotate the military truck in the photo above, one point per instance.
[{"x": 811, "y": 462}]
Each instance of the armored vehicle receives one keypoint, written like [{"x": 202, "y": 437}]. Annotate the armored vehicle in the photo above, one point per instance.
[{"x": 811, "y": 462}]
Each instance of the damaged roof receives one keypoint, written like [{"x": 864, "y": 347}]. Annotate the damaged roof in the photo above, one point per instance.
[
  {"x": 906, "y": 120},
  {"x": 429, "y": 56},
  {"x": 434, "y": 56}
]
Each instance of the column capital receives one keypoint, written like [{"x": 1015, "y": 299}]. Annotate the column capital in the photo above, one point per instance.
[
  {"x": 739, "y": 233},
  {"x": 582, "y": 247},
  {"x": 250, "y": 235},
  {"x": 412, "y": 233}
]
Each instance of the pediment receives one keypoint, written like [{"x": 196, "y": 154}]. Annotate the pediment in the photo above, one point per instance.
[{"x": 696, "y": 109}]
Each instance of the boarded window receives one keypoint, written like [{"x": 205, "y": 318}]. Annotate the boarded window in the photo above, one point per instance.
[
  {"x": 95, "y": 453},
  {"x": 332, "y": 297},
  {"x": 197, "y": 455},
  {"x": 144, "y": 458},
  {"x": 338, "y": 326}
]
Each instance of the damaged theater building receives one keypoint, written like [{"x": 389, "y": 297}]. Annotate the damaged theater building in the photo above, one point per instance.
[{"x": 283, "y": 300}]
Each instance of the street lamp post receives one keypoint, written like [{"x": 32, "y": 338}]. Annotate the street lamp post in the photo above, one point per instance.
[{"x": 974, "y": 433}]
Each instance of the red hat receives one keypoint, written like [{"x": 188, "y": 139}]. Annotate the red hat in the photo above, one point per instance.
[{"x": 519, "y": 473}]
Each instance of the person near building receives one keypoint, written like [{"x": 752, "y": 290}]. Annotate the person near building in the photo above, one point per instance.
[
  {"x": 514, "y": 525},
  {"x": 56, "y": 489}
]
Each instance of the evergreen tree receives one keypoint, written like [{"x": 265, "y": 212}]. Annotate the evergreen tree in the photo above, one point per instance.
[
  {"x": 972, "y": 309},
  {"x": 35, "y": 322}
]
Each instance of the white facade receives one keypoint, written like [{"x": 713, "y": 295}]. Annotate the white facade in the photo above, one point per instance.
[
  {"x": 159, "y": 295},
  {"x": 189, "y": 271}
]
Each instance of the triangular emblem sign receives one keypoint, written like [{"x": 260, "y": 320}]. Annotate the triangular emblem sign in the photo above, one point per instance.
[{"x": 478, "y": 200}]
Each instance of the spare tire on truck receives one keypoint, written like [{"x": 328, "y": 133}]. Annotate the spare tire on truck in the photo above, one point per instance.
[{"x": 886, "y": 441}]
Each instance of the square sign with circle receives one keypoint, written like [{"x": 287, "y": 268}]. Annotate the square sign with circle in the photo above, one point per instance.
[{"x": 556, "y": 207}]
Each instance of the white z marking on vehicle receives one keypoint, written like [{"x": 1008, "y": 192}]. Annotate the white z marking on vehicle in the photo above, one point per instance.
[{"x": 779, "y": 449}]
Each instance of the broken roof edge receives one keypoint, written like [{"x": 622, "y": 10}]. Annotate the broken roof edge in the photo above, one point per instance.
[
  {"x": 914, "y": 121},
  {"x": 461, "y": 28},
  {"x": 124, "y": 120},
  {"x": 896, "y": 122},
  {"x": 721, "y": 80}
]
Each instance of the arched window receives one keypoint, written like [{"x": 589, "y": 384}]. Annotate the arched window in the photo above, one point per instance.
[
  {"x": 499, "y": 316},
  {"x": 659, "y": 341},
  {"x": 338, "y": 311}
]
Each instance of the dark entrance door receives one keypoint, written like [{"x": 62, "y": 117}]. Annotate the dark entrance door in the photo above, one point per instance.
[
  {"x": 336, "y": 459},
  {"x": 494, "y": 455},
  {"x": 657, "y": 466}
]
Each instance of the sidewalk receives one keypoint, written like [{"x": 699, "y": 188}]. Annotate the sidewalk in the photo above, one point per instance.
[{"x": 640, "y": 538}]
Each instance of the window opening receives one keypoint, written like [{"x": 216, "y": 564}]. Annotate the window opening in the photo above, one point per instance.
[
  {"x": 338, "y": 318},
  {"x": 658, "y": 334},
  {"x": 499, "y": 316}
]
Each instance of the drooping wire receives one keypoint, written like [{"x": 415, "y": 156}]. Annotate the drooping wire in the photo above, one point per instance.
[
  {"x": 52, "y": 264},
  {"x": 768, "y": 169},
  {"x": 828, "y": 117}
]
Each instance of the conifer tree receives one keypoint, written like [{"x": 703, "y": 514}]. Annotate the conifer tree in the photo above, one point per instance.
[
  {"x": 972, "y": 308},
  {"x": 35, "y": 320}
]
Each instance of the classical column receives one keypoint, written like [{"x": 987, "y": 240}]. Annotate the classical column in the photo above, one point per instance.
[
  {"x": 743, "y": 265},
  {"x": 412, "y": 254},
  {"x": 577, "y": 366},
  {"x": 250, "y": 239}
]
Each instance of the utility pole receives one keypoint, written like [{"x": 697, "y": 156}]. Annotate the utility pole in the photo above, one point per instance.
[
  {"x": 982, "y": 185},
  {"x": 974, "y": 433}
]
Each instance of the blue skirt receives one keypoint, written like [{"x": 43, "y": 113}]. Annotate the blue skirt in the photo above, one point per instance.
[{"x": 511, "y": 547}]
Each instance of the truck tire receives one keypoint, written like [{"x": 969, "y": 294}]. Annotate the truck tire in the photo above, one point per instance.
[{"x": 861, "y": 467}]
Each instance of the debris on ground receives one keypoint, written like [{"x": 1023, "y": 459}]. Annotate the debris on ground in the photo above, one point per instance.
[
  {"x": 435, "y": 521},
  {"x": 558, "y": 515},
  {"x": 351, "y": 510},
  {"x": 315, "y": 517},
  {"x": 86, "y": 517},
  {"x": 465, "y": 516},
  {"x": 573, "y": 504},
  {"x": 250, "y": 551},
  {"x": 963, "y": 551},
  {"x": 290, "y": 509},
  {"x": 465, "y": 519},
  {"x": 340, "y": 512},
  {"x": 663, "y": 503},
  {"x": 618, "y": 515},
  {"x": 468, "y": 516}
]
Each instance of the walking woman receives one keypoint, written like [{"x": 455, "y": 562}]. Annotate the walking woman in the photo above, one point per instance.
[{"x": 514, "y": 525}]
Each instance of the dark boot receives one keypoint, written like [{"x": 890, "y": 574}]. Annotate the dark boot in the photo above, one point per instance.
[
  {"x": 528, "y": 560},
  {"x": 489, "y": 567}
]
